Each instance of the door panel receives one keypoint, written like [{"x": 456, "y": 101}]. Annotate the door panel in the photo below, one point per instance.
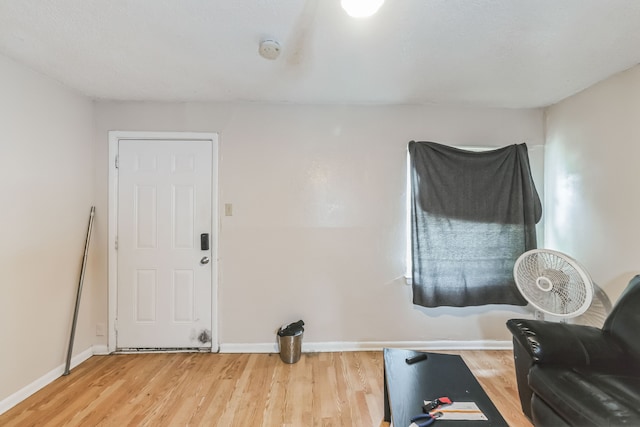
[{"x": 164, "y": 204}]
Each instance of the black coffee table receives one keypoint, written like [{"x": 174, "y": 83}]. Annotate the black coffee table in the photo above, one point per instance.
[{"x": 406, "y": 387}]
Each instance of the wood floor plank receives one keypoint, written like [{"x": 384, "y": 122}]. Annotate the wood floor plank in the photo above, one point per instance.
[{"x": 199, "y": 389}]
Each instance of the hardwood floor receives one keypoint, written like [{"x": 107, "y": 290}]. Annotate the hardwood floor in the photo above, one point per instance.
[{"x": 200, "y": 389}]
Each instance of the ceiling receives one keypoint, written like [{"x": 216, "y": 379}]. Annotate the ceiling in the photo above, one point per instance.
[{"x": 498, "y": 53}]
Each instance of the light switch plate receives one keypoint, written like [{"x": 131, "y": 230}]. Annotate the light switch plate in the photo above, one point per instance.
[{"x": 100, "y": 329}]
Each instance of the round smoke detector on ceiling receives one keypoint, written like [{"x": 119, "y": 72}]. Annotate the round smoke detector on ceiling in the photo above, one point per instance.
[{"x": 269, "y": 49}]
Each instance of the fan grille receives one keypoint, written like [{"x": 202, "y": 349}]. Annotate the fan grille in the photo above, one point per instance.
[{"x": 553, "y": 283}]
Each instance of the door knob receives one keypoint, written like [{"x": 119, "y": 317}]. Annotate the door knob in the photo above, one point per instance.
[{"x": 204, "y": 260}]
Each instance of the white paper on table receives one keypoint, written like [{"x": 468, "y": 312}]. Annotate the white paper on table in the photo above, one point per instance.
[{"x": 460, "y": 411}]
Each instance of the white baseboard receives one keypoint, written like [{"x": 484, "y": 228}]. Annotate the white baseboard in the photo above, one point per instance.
[
  {"x": 47, "y": 378},
  {"x": 370, "y": 346},
  {"x": 249, "y": 348},
  {"x": 100, "y": 350}
]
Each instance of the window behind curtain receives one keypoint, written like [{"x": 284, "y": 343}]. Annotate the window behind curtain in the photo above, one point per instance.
[{"x": 472, "y": 214}]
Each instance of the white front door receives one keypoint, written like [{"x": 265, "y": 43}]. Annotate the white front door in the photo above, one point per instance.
[{"x": 164, "y": 225}]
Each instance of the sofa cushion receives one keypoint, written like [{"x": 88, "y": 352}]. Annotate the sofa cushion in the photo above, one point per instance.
[
  {"x": 542, "y": 415},
  {"x": 624, "y": 319},
  {"x": 586, "y": 397}
]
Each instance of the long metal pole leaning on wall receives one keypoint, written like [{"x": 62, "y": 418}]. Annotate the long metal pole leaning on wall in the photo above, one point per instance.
[{"x": 75, "y": 313}]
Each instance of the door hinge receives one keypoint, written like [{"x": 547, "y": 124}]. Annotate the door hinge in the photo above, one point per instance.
[
  {"x": 117, "y": 161},
  {"x": 116, "y": 243}
]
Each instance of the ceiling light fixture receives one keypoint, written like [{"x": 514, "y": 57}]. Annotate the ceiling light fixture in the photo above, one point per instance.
[{"x": 361, "y": 8}]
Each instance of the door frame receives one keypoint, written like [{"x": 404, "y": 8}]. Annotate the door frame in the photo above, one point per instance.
[{"x": 114, "y": 138}]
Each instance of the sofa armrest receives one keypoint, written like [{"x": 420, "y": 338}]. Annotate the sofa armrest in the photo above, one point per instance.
[{"x": 566, "y": 344}]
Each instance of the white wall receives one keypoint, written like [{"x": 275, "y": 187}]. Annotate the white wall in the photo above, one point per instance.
[
  {"x": 318, "y": 225},
  {"x": 46, "y": 184},
  {"x": 592, "y": 181}
]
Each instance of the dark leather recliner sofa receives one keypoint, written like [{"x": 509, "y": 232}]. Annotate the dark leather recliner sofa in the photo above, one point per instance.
[{"x": 573, "y": 375}]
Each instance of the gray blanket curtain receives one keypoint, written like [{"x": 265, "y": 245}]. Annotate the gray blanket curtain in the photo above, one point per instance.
[{"x": 473, "y": 214}]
